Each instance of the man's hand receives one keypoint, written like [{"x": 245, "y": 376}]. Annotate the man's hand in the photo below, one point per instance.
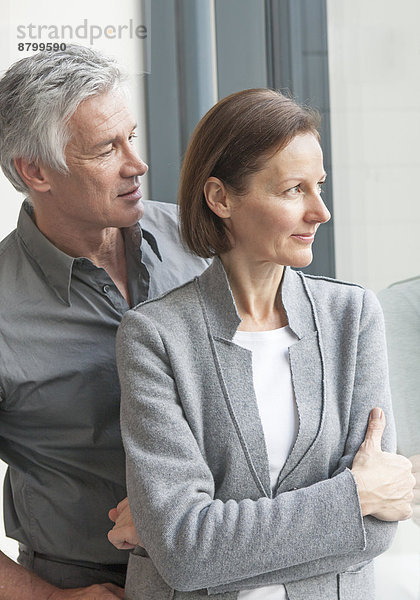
[
  {"x": 384, "y": 481},
  {"x": 123, "y": 535},
  {"x": 105, "y": 591},
  {"x": 415, "y": 461},
  {"x": 18, "y": 583}
]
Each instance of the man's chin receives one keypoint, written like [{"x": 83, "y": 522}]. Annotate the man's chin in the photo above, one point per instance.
[{"x": 132, "y": 216}]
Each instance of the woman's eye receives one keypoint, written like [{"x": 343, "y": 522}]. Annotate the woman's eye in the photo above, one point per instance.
[
  {"x": 132, "y": 137},
  {"x": 294, "y": 190},
  {"x": 319, "y": 186}
]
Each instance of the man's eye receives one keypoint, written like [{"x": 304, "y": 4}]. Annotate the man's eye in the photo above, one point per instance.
[
  {"x": 107, "y": 153},
  {"x": 319, "y": 186},
  {"x": 132, "y": 137}
]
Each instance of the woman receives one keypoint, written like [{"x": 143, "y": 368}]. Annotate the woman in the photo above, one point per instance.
[{"x": 246, "y": 392}]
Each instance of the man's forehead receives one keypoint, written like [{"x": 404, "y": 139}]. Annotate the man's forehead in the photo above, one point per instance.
[{"x": 101, "y": 115}]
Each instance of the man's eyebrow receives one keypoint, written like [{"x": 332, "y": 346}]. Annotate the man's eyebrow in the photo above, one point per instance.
[{"x": 109, "y": 141}]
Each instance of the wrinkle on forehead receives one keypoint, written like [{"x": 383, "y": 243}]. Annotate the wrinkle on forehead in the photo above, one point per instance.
[{"x": 99, "y": 117}]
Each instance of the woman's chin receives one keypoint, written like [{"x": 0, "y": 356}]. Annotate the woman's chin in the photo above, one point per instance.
[{"x": 300, "y": 262}]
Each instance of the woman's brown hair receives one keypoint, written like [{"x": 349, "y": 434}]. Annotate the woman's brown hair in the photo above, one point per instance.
[{"x": 232, "y": 141}]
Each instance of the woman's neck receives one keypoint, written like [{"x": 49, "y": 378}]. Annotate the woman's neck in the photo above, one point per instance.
[{"x": 256, "y": 289}]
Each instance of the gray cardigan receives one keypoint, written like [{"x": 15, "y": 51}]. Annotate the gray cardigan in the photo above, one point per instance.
[{"x": 197, "y": 466}]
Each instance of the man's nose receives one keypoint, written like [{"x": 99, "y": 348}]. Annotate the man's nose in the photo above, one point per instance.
[{"x": 133, "y": 164}]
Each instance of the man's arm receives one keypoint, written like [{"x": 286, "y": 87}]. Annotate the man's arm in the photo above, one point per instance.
[{"x": 17, "y": 583}]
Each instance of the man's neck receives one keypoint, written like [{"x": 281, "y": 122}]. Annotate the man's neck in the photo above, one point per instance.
[{"x": 104, "y": 247}]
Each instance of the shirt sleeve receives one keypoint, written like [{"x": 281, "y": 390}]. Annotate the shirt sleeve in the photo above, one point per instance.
[{"x": 196, "y": 541}]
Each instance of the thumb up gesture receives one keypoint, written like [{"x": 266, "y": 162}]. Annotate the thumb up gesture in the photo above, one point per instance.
[{"x": 384, "y": 481}]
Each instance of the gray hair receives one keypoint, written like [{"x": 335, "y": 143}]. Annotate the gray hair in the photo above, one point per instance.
[{"x": 38, "y": 96}]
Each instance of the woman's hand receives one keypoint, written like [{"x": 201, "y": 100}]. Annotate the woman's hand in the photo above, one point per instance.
[
  {"x": 123, "y": 535},
  {"x": 384, "y": 480}
]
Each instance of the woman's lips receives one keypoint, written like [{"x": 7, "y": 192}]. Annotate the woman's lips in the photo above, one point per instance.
[
  {"x": 304, "y": 237},
  {"x": 132, "y": 195}
]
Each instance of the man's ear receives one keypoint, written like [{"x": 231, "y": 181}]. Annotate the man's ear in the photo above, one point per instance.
[
  {"x": 217, "y": 197},
  {"x": 33, "y": 175}
]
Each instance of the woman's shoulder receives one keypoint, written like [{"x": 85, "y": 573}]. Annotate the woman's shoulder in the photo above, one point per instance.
[
  {"x": 167, "y": 308},
  {"x": 326, "y": 288},
  {"x": 337, "y": 297},
  {"x": 331, "y": 285}
]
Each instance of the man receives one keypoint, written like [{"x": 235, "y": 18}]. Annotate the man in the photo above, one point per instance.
[{"x": 76, "y": 263}]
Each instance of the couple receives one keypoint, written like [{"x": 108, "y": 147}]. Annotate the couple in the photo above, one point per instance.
[{"x": 246, "y": 393}]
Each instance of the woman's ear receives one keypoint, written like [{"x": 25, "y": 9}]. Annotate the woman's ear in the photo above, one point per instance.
[
  {"x": 33, "y": 175},
  {"x": 217, "y": 197}
]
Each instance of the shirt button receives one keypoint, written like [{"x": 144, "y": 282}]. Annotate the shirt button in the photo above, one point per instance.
[{"x": 105, "y": 289}]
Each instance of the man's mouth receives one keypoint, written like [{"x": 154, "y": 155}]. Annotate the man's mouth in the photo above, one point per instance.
[{"x": 133, "y": 194}]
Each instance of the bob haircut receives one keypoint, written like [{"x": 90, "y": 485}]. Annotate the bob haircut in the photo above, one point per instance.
[{"x": 231, "y": 142}]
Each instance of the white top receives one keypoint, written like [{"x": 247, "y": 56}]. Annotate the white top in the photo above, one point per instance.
[{"x": 278, "y": 412}]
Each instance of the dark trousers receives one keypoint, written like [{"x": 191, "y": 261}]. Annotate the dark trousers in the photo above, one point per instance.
[{"x": 70, "y": 575}]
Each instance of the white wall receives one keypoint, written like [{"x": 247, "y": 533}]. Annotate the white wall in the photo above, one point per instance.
[{"x": 374, "y": 54}]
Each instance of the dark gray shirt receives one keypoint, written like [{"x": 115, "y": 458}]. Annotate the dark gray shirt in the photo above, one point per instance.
[{"x": 59, "y": 390}]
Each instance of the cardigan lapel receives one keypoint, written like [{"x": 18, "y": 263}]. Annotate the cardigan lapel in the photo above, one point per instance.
[
  {"x": 308, "y": 386},
  {"x": 307, "y": 367},
  {"x": 234, "y": 367},
  {"x": 236, "y": 379}
]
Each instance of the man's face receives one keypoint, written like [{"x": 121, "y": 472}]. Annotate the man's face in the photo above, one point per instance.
[{"x": 102, "y": 189}]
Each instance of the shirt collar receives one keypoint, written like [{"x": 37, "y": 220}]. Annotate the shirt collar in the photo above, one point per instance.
[{"x": 55, "y": 265}]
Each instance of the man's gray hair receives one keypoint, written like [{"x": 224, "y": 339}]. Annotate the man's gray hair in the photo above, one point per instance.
[{"x": 38, "y": 96}]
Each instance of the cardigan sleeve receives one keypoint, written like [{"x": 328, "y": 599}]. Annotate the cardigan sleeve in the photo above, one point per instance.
[{"x": 196, "y": 541}]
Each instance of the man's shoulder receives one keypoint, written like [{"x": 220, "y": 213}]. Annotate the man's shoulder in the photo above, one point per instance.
[
  {"x": 9, "y": 241},
  {"x": 13, "y": 276},
  {"x": 175, "y": 264},
  {"x": 9, "y": 254},
  {"x": 159, "y": 216}
]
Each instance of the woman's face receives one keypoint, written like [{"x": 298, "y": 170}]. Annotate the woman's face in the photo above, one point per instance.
[{"x": 276, "y": 220}]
